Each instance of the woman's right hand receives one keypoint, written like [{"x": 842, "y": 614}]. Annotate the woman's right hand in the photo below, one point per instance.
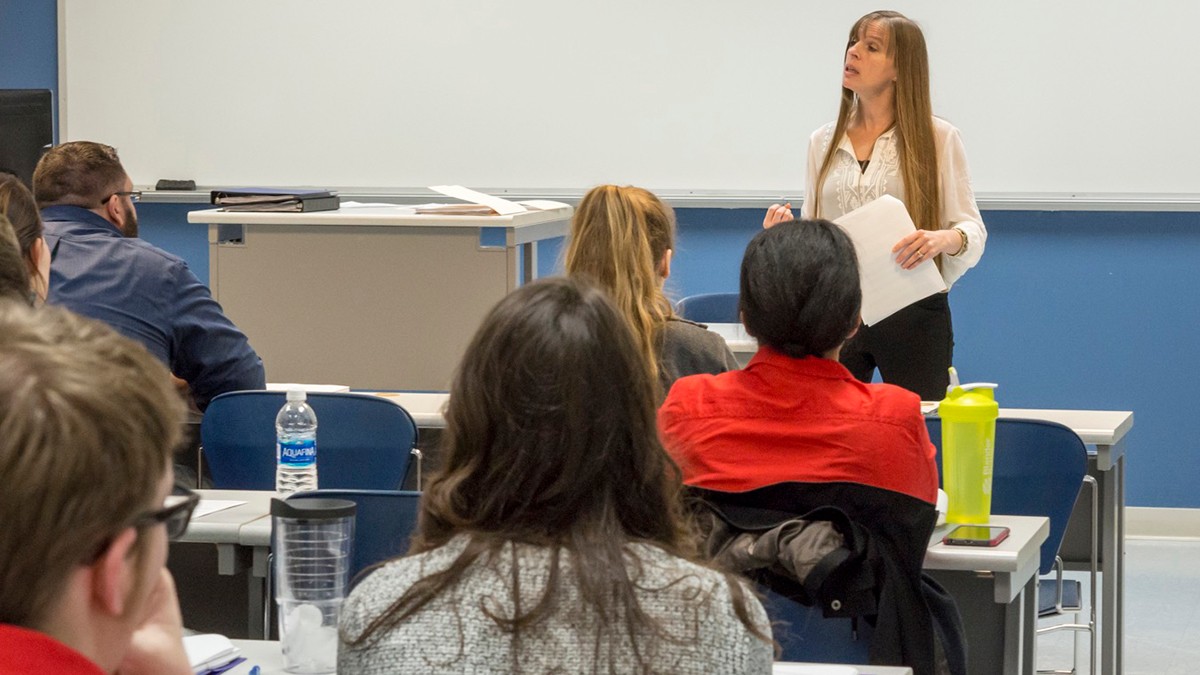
[{"x": 777, "y": 213}]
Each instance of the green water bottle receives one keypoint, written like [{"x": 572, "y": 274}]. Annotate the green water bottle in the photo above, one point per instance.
[{"x": 968, "y": 414}]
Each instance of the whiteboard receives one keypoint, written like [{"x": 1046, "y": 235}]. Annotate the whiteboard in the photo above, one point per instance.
[{"x": 680, "y": 95}]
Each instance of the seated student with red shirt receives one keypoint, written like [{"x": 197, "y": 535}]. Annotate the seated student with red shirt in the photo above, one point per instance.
[
  {"x": 88, "y": 425},
  {"x": 794, "y": 413}
]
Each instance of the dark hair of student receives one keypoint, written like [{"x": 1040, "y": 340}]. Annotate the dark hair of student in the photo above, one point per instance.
[
  {"x": 800, "y": 292},
  {"x": 551, "y": 441}
]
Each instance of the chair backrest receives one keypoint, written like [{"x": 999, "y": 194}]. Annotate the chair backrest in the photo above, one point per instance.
[
  {"x": 383, "y": 524},
  {"x": 899, "y": 527},
  {"x": 709, "y": 308},
  {"x": 363, "y": 441},
  {"x": 1037, "y": 470}
]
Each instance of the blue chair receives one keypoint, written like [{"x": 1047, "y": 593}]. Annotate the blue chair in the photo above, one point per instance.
[
  {"x": 362, "y": 441},
  {"x": 876, "y": 578},
  {"x": 1039, "y": 469},
  {"x": 383, "y": 524},
  {"x": 710, "y": 308}
]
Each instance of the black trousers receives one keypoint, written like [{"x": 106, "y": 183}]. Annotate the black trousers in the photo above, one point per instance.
[{"x": 912, "y": 348}]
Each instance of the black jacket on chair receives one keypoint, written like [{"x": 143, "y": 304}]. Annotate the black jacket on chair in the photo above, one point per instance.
[{"x": 875, "y": 575}]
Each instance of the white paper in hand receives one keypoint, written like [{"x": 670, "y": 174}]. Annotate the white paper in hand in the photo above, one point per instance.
[{"x": 875, "y": 228}]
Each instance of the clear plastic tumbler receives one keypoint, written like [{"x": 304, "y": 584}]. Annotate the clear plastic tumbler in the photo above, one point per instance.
[{"x": 312, "y": 541}]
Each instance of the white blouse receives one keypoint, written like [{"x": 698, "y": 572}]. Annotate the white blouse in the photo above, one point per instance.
[{"x": 848, "y": 187}]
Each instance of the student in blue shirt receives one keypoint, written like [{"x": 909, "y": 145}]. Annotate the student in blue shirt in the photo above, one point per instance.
[{"x": 100, "y": 269}]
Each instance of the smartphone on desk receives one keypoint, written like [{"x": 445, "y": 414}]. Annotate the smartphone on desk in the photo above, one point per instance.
[{"x": 975, "y": 535}]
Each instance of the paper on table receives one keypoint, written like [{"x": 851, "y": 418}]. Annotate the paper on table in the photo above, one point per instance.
[
  {"x": 208, "y": 651},
  {"x": 500, "y": 206},
  {"x": 540, "y": 204},
  {"x": 310, "y": 388},
  {"x": 875, "y": 228},
  {"x": 210, "y": 506}
]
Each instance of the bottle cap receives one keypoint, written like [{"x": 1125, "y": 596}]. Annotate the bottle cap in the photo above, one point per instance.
[{"x": 297, "y": 395}]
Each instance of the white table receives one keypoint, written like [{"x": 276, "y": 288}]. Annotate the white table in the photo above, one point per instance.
[
  {"x": 739, "y": 341},
  {"x": 996, "y": 591},
  {"x": 266, "y": 655},
  {"x": 381, "y": 298},
  {"x": 1010, "y": 570},
  {"x": 226, "y": 529}
]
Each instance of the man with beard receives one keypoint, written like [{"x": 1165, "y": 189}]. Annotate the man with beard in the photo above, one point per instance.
[{"x": 100, "y": 269}]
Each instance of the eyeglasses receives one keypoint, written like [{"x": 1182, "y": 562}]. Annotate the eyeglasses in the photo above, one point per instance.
[
  {"x": 135, "y": 196},
  {"x": 176, "y": 513}
]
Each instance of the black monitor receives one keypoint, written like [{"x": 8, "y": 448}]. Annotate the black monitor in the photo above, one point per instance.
[{"x": 26, "y": 129}]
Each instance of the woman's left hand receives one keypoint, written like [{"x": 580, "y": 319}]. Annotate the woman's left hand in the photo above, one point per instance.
[{"x": 923, "y": 245}]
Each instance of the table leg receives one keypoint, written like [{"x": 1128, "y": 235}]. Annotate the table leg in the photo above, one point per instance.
[
  {"x": 1112, "y": 550},
  {"x": 1029, "y": 624}
]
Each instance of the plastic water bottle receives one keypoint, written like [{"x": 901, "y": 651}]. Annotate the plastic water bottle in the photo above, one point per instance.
[{"x": 296, "y": 448}]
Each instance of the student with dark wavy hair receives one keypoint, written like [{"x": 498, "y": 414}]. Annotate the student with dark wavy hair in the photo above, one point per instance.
[
  {"x": 554, "y": 539},
  {"x": 794, "y": 413}
]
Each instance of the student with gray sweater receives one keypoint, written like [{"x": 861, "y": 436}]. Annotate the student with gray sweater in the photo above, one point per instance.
[{"x": 554, "y": 540}]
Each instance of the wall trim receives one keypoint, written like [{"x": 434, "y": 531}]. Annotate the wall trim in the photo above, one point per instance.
[{"x": 1162, "y": 523}]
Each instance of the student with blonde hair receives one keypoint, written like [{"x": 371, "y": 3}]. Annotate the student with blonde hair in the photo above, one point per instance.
[
  {"x": 622, "y": 239},
  {"x": 887, "y": 141}
]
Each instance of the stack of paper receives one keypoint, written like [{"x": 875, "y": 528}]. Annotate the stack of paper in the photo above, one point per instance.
[{"x": 210, "y": 653}]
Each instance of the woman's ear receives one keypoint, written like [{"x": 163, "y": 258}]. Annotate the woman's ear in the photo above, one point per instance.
[
  {"x": 854, "y": 331},
  {"x": 664, "y": 265}
]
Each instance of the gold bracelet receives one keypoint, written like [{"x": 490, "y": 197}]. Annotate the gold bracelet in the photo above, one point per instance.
[{"x": 962, "y": 249}]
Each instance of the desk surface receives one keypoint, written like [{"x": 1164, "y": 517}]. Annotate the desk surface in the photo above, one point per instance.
[
  {"x": 391, "y": 215},
  {"x": 266, "y": 655},
  {"x": 225, "y": 526},
  {"x": 1099, "y": 427}
]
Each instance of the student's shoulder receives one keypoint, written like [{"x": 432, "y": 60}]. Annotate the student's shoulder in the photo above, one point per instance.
[
  {"x": 682, "y": 329},
  {"x": 895, "y": 401}
]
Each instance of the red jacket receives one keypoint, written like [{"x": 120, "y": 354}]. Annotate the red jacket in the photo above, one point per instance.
[
  {"x": 28, "y": 652},
  {"x": 785, "y": 419}
]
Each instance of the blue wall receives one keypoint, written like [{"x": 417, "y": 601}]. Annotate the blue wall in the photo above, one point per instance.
[
  {"x": 1067, "y": 310},
  {"x": 29, "y": 46}
]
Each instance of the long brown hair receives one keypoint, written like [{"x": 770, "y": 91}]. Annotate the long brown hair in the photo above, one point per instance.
[
  {"x": 913, "y": 114},
  {"x": 619, "y": 237},
  {"x": 551, "y": 441},
  {"x": 16, "y": 203}
]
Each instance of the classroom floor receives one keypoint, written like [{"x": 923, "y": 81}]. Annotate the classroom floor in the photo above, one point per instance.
[{"x": 1162, "y": 621}]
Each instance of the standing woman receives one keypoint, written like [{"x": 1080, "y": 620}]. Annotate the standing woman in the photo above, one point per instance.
[
  {"x": 887, "y": 141},
  {"x": 622, "y": 239},
  {"x": 18, "y": 206}
]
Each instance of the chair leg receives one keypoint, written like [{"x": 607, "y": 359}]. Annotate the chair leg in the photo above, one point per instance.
[{"x": 1075, "y": 626}]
